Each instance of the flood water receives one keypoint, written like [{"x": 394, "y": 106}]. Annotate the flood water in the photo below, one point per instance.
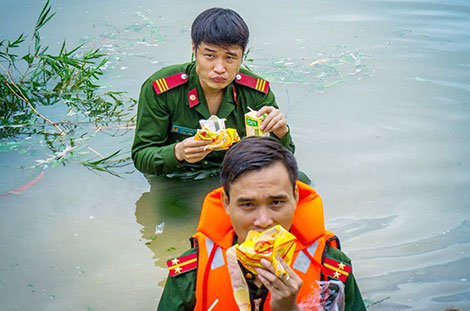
[{"x": 377, "y": 95}]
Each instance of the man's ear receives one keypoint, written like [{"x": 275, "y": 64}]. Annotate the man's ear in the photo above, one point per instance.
[
  {"x": 225, "y": 200},
  {"x": 193, "y": 47},
  {"x": 296, "y": 193}
]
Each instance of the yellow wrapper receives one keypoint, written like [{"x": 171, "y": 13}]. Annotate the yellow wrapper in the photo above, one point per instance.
[
  {"x": 267, "y": 244},
  {"x": 252, "y": 124},
  {"x": 222, "y": 139}
]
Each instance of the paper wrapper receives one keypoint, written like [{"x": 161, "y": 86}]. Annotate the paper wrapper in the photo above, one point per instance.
[
  {"x": 267, "y": 244},
  {"x": 214, "y": 129},
  {"x": 221, "y": 140}
]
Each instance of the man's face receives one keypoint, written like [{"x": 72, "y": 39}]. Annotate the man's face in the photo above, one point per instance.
[
  {"x": 217, "y": 66},
  {"x": 260, "y": 200}
]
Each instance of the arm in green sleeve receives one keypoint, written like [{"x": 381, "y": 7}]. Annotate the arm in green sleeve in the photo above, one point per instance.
[
  {"x": 269, "y": 100},
  {"x": 150, "y": 152},
  {"x": 353, "y": 298},
  {"x": 179, "y": 293},
  {"x": 287, "y": 141}
]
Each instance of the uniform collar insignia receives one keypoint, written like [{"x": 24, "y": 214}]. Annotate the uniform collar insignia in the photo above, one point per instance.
[{"x": 192, "y": 98}]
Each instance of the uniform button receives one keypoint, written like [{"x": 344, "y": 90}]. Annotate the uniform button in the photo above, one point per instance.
[
  {"x": 205, "y": 162},
  {"x": 184, "y": 76},
  {"x": 238, "y": 77},
  {"x": 192, "y": 97},
  {"x": 249, "y": 276}
]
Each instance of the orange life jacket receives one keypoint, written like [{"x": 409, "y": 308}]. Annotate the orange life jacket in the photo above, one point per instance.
[{"x": 215, "y": 235}]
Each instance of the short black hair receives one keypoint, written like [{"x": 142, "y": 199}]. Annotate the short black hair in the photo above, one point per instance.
[
  {"x": 255, "y": 153},
  {"x": 222, "y": 27}
]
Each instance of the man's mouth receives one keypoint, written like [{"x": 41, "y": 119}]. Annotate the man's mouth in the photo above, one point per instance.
[
  {"x": 218, "y": 79},
  {"x": 259, "y": 229}
]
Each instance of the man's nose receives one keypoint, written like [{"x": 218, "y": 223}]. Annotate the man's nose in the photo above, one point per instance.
[
  {"x": 264, "y": 218},
  {"x": 219, "y": 67}
]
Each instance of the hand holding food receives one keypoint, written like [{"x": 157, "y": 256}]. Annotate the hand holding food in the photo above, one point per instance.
[
  {"x": 274, "y": 122},
  {"x": 191, "y": 150}
]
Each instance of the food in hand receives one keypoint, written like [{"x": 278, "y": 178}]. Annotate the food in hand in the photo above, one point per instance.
[
  {"x": 213, "y": 129},
  {"x": 253, "y": 123},
  {"x": 267, "y": 244}
]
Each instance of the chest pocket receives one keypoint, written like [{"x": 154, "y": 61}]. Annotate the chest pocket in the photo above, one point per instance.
[{"x": 183, "y": 130}]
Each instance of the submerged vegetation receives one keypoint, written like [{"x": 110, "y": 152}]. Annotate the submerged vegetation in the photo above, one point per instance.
[{"x": 65, "y": 85}]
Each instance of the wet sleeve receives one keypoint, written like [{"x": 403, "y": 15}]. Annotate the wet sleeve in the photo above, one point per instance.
[
  {"x": 353, "y": 297},
  {"x": 179, "y": 293},
  {"x": 270, "y": 100},
  {"x": 150, "y": 151}
]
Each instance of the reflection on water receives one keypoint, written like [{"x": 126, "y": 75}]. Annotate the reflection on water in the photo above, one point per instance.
[
  {"x": 377, "y": 98},
  {"x": 458, "y": 236},
  {"x": 169, "y": 214},
  {"x": 351, "y": 228}
]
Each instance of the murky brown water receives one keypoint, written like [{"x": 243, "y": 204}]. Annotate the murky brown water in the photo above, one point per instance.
[{"x": 377, "y": 94}]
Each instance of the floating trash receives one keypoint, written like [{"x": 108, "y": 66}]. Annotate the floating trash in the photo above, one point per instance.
[
  {"x": 159, "y": 228},
  {"x": 321, "y": 73}
]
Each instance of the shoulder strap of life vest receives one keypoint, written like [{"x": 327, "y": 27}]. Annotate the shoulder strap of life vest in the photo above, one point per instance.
[{"x": 213, "y": 281}]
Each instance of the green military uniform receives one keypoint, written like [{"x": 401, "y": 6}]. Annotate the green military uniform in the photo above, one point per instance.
[
  {"x": 171, "y": 104},
  {"x": 180, "y": 290}
]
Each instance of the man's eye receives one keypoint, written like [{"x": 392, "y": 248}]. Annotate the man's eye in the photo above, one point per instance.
[
  {"x": 277, "y": 203},
  {"x": 209, "y": 56},
  {"x": 247, "y": 205}
]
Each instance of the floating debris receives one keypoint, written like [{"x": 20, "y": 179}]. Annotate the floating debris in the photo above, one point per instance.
[
  {"x": 24, "y": 187},
  {"x": 421, "y": 79},
  {"x": 321, "y": 73},
  {"x": 159, "y": 228}
]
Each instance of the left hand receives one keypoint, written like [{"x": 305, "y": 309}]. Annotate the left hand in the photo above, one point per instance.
[
  {"x": 283, "y": 289},
  {"x": 275, "y": 121}
]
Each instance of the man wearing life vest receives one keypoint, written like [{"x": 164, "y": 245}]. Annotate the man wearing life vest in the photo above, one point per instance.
[
  {"x": 175, "y": 98},
  {"x": 260, "y": 190}
]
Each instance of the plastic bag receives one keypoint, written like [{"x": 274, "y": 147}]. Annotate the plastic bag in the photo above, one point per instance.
[{"x": 326, "y": 296}]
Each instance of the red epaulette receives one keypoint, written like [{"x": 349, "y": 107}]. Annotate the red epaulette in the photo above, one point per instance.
[
  {"x": 182, "y": 264},
  {"x": 253, "y": 82},
  {"x": 337, "y": 269},
  {"x": 167, "y": 83}
]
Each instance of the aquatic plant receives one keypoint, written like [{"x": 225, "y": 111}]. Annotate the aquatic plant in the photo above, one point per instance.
[{"x": 68, "y": 81}]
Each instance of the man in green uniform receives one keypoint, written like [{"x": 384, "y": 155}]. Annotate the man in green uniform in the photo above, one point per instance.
[
  {"x": 260, "y": 191},
  {"x": 175, "y": 98}
]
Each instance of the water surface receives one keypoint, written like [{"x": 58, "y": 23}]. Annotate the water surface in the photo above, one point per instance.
[{"x": 377, "y": 97}]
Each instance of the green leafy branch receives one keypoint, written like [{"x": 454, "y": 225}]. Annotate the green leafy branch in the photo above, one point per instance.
[{"x": 37, "y": 80}]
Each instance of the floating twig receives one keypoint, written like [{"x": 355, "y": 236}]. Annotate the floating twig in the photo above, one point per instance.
[{"x": 24, "y": 187}]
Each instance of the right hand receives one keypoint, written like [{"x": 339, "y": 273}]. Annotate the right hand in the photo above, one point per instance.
[
  {"x": 283, "y": 290},
  {"x": 191, "y": 150}
]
